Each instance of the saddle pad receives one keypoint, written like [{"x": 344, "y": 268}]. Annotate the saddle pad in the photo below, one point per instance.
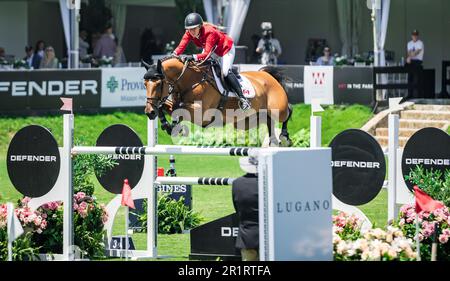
[{"x": 246, "y": 86}]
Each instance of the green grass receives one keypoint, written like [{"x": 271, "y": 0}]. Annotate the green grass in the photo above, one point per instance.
[{"x": 210, "y": 201}]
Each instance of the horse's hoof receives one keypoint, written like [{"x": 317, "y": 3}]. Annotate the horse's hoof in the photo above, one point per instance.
[
  {"x": 273, "y": 142},
  {"x": 285, "y": 141}
]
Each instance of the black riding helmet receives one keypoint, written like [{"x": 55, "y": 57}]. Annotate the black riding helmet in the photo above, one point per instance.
[{"x": 192, "y": 20}]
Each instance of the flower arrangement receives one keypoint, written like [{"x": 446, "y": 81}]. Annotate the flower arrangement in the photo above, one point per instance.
[
  {"x": 436, "y": 223},
  {"x": 350, "y": 243},
  {"x": 339, "y": 61},
  {"x": 21, "y": 64},
  {"x": 105, "y": 61}
]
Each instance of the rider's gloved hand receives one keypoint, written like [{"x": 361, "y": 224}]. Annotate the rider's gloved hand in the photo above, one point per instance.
[{"x": 188, "y": 58}]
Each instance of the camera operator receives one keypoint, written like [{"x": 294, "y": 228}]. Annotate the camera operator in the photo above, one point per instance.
[{"x": 268, "y": 46}]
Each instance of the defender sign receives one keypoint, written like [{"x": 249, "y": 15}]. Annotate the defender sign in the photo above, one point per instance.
[
  {"x": 123, "y": 87},
  {"x": 428, "y": 148},
  {"x": 359, "y": 167},
  {"x": 128, "y": 166},
  {"x": 33, "y": 169}
]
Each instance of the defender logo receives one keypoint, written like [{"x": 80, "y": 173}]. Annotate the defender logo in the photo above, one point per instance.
[
  {"x": 32, "y": 158},
  {"x": 356, "y": 164},
  {"x": 426, "y": 161},
  {"x": 112, "y": 84},
  {"x": 226, "y": 231},
  {"x": 50, "y": 88}
]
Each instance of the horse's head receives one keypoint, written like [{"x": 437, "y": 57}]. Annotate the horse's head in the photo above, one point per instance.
[{"x": 160, "y": 81}]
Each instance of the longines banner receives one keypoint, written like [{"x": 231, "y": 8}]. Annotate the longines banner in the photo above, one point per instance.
[
  {"x": 123, "y": 87},
  {"x": 26, "y": 91}
]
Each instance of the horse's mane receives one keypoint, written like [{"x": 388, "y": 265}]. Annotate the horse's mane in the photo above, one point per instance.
[{"x": 172, "y": 56}]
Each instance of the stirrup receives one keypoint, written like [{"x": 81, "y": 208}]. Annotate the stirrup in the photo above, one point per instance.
[{"x": 244, "y": 104}]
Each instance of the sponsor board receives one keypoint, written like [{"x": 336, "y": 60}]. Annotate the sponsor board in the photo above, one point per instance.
[
  {"x": 42, "y": 89},
  {"x": 359, "y": 167},
  {"x": 123, "y": 87},
  {"x": 318, "y": 84}
]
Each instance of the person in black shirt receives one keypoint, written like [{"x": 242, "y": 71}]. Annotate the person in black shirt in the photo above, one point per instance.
[{"x": 245, "y": 201}]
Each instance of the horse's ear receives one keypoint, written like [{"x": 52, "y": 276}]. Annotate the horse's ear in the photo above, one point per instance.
[
  {"x": 146, "y": 65},
  {"x": 159, "y": 67}
]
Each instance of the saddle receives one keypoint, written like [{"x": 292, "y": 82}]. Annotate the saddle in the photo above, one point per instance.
[{"x": 215, "y": 68}]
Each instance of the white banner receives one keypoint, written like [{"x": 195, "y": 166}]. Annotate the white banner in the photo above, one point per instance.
[
  {"x": 318, "y": 84},
  {"x": 123, "y": 87}
]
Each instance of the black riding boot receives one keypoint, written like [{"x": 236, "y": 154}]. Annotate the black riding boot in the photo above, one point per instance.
[{"x": 234, "y": 83}]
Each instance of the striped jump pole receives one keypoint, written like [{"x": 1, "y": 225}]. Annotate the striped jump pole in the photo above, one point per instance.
[
  {"x": 166, "y": 149},
  {"x": 194, "y": 180}
]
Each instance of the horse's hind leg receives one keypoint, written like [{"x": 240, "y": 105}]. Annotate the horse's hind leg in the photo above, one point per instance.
[
  {"x": 284, "y": 136},
  {"x": 273, "y": 141}
]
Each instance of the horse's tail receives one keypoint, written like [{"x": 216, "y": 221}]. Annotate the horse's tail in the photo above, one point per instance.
[{"x": 278, "y": 74}]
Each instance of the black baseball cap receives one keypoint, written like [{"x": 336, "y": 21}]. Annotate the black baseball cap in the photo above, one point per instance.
[{"x": 415, "y": 32}]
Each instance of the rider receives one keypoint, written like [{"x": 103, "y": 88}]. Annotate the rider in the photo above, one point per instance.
[{"x": 206, "y": 36}]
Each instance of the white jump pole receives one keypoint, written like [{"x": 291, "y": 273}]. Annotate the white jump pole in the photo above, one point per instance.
[
  {"x": 152, "y": 215},
  {"x": 393, "y": 129},
  {"x": 194, "y": 180},
  {"x": 66, "y": 159},
  {"x": 315, "y": 137},
  {"x": 166, "y": 150}
]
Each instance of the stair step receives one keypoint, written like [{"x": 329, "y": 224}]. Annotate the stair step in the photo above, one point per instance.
[
  {"x": 384, "y": 141},
  {"x": 402, "y": 132},
  {"x": 425, "y": 115},
  {"x": 434, "y": 107},
  {"x": 419, "y": 124}
]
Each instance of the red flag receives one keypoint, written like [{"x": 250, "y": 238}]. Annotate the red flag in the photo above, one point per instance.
[
  {"x": 424, "y": 202},
  {"x": 67, "y": 104},
  {"x": 127, "y": 200}
]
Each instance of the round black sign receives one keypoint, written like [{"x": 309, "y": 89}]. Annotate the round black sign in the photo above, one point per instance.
[
  {"x": 359, "y": 167},
  {"x": 129, "y": 166},
  {"x": 429, "y": 148},
  {"x": 33, "y": 161}
]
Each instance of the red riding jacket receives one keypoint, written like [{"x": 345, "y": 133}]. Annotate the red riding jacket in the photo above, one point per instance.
[{"x": 209, "y": 37}]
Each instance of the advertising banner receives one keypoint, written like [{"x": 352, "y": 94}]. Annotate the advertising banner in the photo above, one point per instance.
[
  {"x": 123, "y": 87},
  {"x": 319, "y": 84},
  {"x": 24, "y": 91}
]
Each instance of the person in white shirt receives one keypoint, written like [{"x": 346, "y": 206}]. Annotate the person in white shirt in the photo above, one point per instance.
[
  {"x": 415, "y": 49},
  {"x": 414, "y": 60}
]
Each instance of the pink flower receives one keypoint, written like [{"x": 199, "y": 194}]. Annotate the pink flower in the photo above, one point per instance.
[
  {"x": 443, "y": 238},
  {"x": 80, "y": 195}
]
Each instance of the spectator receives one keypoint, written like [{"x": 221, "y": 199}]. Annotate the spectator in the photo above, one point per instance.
[
  {"x": 326, "y": 59},
  {"x": 49, "y": 60},
  {"x": 414, "y": 60},
  {"x": 245, "y": 201},
  {"x": 84, "y": 45},
  {"x": 32, "y": 60},
  {"x": 106, "y": 46},
  {"x": 268, "y": 46},
  {"x": 415, "y": 49},
  {"x": 39, "y": 52}
]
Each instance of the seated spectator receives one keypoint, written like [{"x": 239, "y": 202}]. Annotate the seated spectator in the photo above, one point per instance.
[
  {"x": 39, "y": 52},
  {"x": 32, "y": 60},
  {"x": 49, "y": 60},
  {"x": 106, "y": 46},
  {"x": 326, "y": 59}
]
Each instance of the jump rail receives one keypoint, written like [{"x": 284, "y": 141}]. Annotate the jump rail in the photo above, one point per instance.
[
  {"x": 166, "y": 149},
  {"x": 194, "y": 180}
]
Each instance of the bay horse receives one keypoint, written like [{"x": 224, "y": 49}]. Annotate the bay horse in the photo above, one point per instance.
[{"x": 172, "y": 84}]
